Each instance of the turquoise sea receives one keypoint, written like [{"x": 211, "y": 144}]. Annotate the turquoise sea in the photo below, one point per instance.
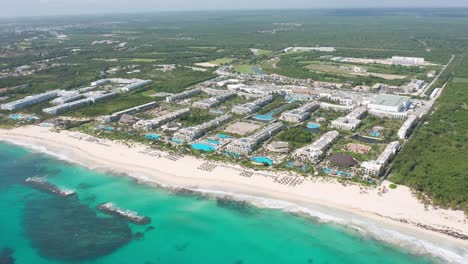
[{"x": 37, "y": 227}]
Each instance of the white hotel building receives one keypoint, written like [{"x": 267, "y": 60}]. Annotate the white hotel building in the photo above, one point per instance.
[
  {"x": 300, "y": 114},
  {"x": 314, "y": 152},
  {"x": 192, "y": 133},
  {"x": 247, "y": 145}
]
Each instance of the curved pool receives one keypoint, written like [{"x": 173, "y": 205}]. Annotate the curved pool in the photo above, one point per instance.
[
  {"x": 203, "y": 147},
  {"x": 262, "y": 160},
  {"x": 313, "y": 126}
]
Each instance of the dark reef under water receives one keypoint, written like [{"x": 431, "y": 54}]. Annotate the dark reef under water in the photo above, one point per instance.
[
  {"x": 65, "y": 229},
  {"x": 6, "y": 256}
]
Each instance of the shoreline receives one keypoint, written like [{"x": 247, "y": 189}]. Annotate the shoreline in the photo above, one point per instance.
[{"x": 396, "y": 209}]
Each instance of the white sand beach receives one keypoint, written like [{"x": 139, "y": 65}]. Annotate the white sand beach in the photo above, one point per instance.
[{"x": 397, "y": 207}]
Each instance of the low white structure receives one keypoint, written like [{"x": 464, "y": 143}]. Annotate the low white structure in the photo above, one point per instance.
[
  {"x": 351, "y": 121},
  {"x": 376, "y": 167},
  {"x": 335, "y": 107},
  {"x": 306, "y": 49},
  {"x": 135, "y": 85},
  {"x": 246, "y": 145},
  {"x": 390, "y": 103},
  {"x": 314, "y": 152},
  {"x": 192, "y": 133},
  {"x": 117, "y": 115},
  {"x": 29, "y": 101},
  {"x": 183, "y": 95},
  {"x": 213, "y": 101},
  {"x": 300, "y": 114},
  {"x": 56, "y": 110},
  {"x": 389, "y": 106},
  {"x": 407, "y": 61},
  {"x": 251, "y": 107},
  {"x": 278, "y": 147},
  {"x": 66, "y": 97},
  {"x": 161, "y": 120},
  {"x": 406, "y": 128}
]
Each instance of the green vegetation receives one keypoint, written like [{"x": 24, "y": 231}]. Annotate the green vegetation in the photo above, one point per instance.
[
  {"x": 433, "y": 162},
  {"x": 393, "y": 186},
  {"x": 196, "y": 117},
  {"x": 245, "y": 68},
  {"x": 222, "y": 61},
  {"x": 297, "y": 136}
]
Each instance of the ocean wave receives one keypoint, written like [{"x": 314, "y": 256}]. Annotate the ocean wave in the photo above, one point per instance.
[
  {"x": 43, "y": 150},
  {"x": 452, "y": 254},
  {"x": 364, "y": 228}
]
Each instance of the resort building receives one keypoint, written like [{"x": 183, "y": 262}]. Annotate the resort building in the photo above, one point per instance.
[
  {"x": 278, "y": 147},
  {"x": 136, "y": 85},
  {"x": 342, "y": 160},
  {"x": 56, "y": 110},
  {"x": 314, "y": 152},
  {"x": 300, "y": 114},
  {"x": 101, "y": 82},
  {"x": 376, "y": 167},
  {"x": 67, "y": 97},
  {"x": 407, "y": 61},
  {"x": 251, "y": 107},
  {"x": 406, "y": 128},
  {"x": 30, "y": 101},
  {"x": 161, "y": 120},
  {"x": 246, "y": 145},
  {"x": 130, "y": 111},
  {"x": 183, "y": 95},
  {"x": 213, "y": 101},
  {"x": 389, "y": 106},
  {"x": 192, "y": 133},
  {"x": 351, "y": 121},
  {"x": 335, "y": 107},
  {"x": 306, "y": 49}
]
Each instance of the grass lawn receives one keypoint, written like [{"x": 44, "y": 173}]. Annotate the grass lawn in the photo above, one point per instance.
[
  {"x": 222, "y": 61},
  {"x": 245, "y": 68}
]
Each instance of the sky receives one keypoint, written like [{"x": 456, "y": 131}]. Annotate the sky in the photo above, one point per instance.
[{"x": 13, "y": 8}]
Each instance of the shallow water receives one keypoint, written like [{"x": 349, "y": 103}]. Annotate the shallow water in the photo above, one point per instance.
[{"x": 185, "y": 227}]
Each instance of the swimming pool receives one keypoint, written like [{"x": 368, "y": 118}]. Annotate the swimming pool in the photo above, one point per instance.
[
  {"x": 222, "y": 136},
  {"x": 336, "y": 172},
  {"x": 109, "y": 128},
  {"x": 152, "y": 136},
  {"x": 313, "y": 126},
  {"x": 374, "y": 134},
  {"x": 262, "y": 160},
  {"x": 266, "y": 117},
  {"x": 212, "y": 141},
  {"x": 178, "y": 141},
  {"x": 269, "y": 116},
  {"x": 16, "y": 116},
  {"x": 203, "y": 147}
]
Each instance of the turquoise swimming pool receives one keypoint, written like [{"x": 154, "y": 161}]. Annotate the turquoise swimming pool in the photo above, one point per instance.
[
  {"x": 336, "y": 172},
  {"x": 16, "y": 116},
  {"x": 222, "y": 136},
  {"x": 152, "y": 136},
  {"x": 212, "y": 141},
  {"x": 313, "y": 126},
  {"x": 262, "y": 160},
  {"x": 269, "y": 116},
  {"x": 203, "y": 147},
  {"x": 178, "y": 141},
  {"x": 374, "y": 134}
]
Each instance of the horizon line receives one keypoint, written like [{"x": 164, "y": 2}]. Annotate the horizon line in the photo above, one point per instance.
[{"x": 226, "y": 10}]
